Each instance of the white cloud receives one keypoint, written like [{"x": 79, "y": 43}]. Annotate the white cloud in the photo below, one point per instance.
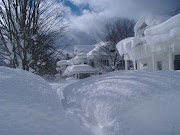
[{"x": 84, "y": 27}]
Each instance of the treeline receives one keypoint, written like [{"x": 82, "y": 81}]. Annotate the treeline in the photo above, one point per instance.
[{"x": 28, "y": 33}]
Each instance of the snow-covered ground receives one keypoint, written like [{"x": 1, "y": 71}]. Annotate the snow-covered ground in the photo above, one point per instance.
[
  {"x": 29, "y": 106},
  {"x": 118, "y": 103},
  {"x": 126, "y": 103}
]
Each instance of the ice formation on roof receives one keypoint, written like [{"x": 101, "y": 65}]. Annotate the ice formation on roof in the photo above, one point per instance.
[
  {"x": 124, "y": 46},
  {"x": 82, "y": 68},
  {"x": 163, "y": 32},
  {"x": 157, "y": 37},
  {"x": 148, "y": 21},
  {"x": 134, "y": 46}
]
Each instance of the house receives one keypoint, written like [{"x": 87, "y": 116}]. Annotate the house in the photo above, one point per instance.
[
  {"x": 62, "y": 65},
  {"x": 156, "y": 45},
  {"x": 88, "y": 61},
  {"x": 99, "y": 58},
  {"x": 77, "y": 67}
]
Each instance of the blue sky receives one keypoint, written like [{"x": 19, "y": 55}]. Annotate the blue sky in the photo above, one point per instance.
[{"x": 75, "y": 9}]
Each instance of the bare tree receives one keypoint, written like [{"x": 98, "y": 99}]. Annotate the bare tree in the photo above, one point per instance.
[
  {"x": 175, "y": 11},
  {"x": 28, "y": 31},
  {"x": 112, "y": 33}
]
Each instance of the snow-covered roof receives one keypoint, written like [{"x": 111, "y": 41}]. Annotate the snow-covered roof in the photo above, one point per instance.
[
  {"x": 98, "y": 50},
  {"x": 134, "y": 46},
  {"x": 83, "y": 48},
  {"x": 81, "y": 56},
  {"x": 124, "y": 46},
  {"x": 157, "y": 38},
  {"x": 163, "y": 32},
  {"x": 63, "y": 63},
  {"x": 150, "y": 21},
  {"x": 82, "y": 68}
]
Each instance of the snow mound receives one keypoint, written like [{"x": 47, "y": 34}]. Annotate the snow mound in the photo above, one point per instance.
[
  {"x": 164, "y": 31},
  {"x": 29, "y": 106},
  {"x": 126, "y": 103}
]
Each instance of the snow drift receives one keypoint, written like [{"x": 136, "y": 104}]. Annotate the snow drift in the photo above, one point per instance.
[
  {"x": 29, "y": 106},
  {"x": 126, "y": 103}
]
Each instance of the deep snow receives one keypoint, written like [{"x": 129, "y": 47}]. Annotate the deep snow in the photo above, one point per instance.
[
  {"x": 29, "y": 106},
  {"x": 126, "y": 103},
  {"x": 118, "y": 103}
]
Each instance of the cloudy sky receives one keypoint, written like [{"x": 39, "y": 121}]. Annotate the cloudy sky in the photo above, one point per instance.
[{"x": 87, "y": 16}]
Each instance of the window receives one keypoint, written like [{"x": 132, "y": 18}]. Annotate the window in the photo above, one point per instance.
[
  {"x": 130, "y": 65},
  {"x": 177, "y": 62},
  {"x": 159, "y": 65},
  {"x": 105, "y": 62},
  {"x": 145, "y": 67},
  {"x": 84, "y": 75},
  {"x": 92, "y": 63}
]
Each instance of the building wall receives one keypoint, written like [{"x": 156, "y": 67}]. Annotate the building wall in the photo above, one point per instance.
[
  {"x": 163, "y": 57},
  {"x": 141, "y": 64}
]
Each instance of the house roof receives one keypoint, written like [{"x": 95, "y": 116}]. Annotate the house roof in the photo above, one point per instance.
[
  {"x": 164, "y": 31},
  {"x": 149, "y": 20},
  {"x": 83, "y": 48},
  {"x": 157, "y": 38},
  {"x": 63, "y": 62},
  {"x": 98, "y": 50},
  {"x": 82, "y": 68}
]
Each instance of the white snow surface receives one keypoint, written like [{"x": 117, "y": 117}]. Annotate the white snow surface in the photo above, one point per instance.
[
  {"x": 126, "y": 103},
  {"x": 164, "y": 31},
  {"x": 118, "y": 103},
  {"x": 29, "y": 106}
]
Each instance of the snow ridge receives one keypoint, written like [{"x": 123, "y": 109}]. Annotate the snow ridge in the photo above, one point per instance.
[{"x": 126, "y": 103}]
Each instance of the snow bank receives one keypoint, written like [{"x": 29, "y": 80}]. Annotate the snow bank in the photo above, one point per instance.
[
  {"x": 126, "y": 103},
  {"x": 29, "y": 106},
  {"x": 163, "y": 32}
]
